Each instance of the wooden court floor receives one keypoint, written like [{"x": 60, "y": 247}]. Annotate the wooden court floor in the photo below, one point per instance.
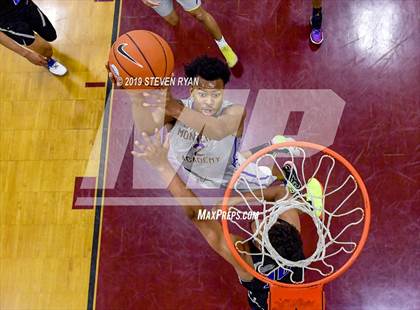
[{"x": 48, "y": 129}]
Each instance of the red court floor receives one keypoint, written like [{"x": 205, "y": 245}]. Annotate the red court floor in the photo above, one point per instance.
[{"x": 153, "y": 258}]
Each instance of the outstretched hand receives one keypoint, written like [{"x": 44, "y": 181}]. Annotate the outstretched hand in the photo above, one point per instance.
[
  {"x": 117, "y": 82},
  {"x": 153, "y": 151},
  {"x": 162, "y": 100},
  {"x": 157, "y": 98}
]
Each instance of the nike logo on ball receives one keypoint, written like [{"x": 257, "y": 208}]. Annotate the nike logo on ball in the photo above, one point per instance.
[{"x": 122, "y": 51}]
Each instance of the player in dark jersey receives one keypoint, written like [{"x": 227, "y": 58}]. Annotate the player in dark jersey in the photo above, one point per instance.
[
  {"x": 286, "y": 239},
  {"x": 26, "y": 30},
  {"x": 284, "y": 236}
]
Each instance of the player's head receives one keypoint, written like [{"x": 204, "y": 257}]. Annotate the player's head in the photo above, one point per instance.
[
  {"x": 213, "y": 74},
  {"x": 286, "y": 240}
]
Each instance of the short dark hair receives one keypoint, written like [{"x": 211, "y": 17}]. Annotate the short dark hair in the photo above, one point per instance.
[
  {"x": 286, "y": 240},
  {"x": 209, "y": 68}
]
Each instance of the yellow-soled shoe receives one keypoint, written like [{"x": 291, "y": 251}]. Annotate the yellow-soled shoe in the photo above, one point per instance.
[
  {"x": 229, "y": 55},
  {"x": 314, "y": 194}
]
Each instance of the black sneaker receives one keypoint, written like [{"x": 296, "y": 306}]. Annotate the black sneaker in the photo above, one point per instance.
[{"x": 291, "y": 177}]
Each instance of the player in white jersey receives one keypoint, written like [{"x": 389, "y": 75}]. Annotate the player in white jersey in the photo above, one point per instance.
[{"x": 205, "y": 129}]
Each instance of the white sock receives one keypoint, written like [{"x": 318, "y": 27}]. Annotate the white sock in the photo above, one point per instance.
[{"x": 221, "y": 43}]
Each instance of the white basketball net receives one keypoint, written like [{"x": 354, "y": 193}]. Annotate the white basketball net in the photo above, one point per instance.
[{"x": 272, "y": 210}]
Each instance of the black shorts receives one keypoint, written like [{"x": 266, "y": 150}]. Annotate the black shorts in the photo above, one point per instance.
[{"x": 21, "y": 25}]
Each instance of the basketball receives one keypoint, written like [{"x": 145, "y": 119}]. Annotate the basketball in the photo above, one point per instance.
[{"x": 141, "y": 59}]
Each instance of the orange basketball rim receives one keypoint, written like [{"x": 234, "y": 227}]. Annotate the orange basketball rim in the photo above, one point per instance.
[{"x": 304, "y": 296}]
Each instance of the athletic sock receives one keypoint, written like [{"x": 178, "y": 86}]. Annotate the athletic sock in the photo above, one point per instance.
[
  {"x": 221, "y": 43},
  {"x": 316, "y": 18}
]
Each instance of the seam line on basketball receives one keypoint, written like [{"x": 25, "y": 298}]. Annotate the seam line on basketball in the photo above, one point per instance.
[
  {"x": 163, "y": 49},
  {"x": 138, "y": 48}
]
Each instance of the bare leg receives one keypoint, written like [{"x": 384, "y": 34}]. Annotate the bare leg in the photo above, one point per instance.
[
  {"x": 172, "y": 18},
  {"x": 41, "y": 46},
  {"x": 208, "y": 21},
  {"x": 213, "y": 28},
  {"x": 44, "y": 48}
]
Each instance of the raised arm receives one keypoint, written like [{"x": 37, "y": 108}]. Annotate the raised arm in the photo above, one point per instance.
[
  {"x": 215, "y": 127},
  {"x": 167, "y": 109},
  {"x": 148, "y": 110}
]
